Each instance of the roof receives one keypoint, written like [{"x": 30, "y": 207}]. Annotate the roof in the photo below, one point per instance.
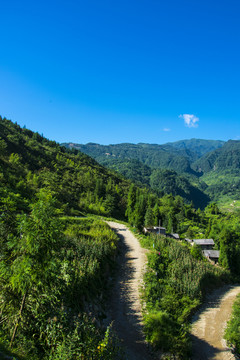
[
  {"x": 159, "y": 228},
  {"x": 211, "y": 253},
  {"x": 203, "y": 241}
]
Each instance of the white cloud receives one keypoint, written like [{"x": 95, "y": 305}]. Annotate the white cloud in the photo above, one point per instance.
[
  {"x": 166, "y": 129},
  {"x": 190, "y": 120}
]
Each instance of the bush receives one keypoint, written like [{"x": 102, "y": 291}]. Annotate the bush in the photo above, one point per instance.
[
  {"x": 232, "y": 332},
  {"x": 174, "y": 285}
]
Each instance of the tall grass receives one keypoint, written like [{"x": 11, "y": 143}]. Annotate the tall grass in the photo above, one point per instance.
[{"x": 175, "y": 284}]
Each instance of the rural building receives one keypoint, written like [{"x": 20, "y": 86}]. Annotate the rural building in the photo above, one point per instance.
[
  {"x": 206, "y": 247},
  {"x": 160, "y": 231},
  {"x": 205, "y": 244},
  {"x": 174, "y": 236},
  {"x": 155, "y": 229},
  {"x": 212, "y": 255}
]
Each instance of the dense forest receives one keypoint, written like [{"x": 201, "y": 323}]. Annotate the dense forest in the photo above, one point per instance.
[
  {"x": 204, "y": 170},
  {"x": 54, "y": 249}
]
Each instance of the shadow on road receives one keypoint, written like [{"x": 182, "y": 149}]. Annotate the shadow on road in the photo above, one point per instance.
[
  {"x": 198, "y": 353},
  {"x": 125, "y": 306}
]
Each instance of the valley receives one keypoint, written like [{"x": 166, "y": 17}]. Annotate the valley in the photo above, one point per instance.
[
  {"x": 198, "y": 170},
  {"x": 59, "y": 258}
]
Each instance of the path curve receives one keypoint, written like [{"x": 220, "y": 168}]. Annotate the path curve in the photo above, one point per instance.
[
  {"x": 125, "y": 305},
  {"x": 209, "y": 323}
]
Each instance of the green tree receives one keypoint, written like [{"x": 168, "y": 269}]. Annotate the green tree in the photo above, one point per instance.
[
  {"x": 131, "y": 201},
  {"x": 229, "y": 250},
  {"x": 196, "y": 252},
  {"x": 149, "y": 218},
  {"x": 32, "y": 268}
]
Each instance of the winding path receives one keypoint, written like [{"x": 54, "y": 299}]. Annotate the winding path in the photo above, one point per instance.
[
  {"x": 209, "y": 323},
  {"x": 125, "y": 306}
]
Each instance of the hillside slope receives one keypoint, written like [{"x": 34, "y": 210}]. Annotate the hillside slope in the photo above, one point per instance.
[
  {"x": 152, "y": 155},
  {"x": 220, "y": 170},
  {"x": 29, "y": 162},
  {"x": 226, "y": 157},
  {"x": 199, "y": 146},
  {"x": 161, "y": 167}
]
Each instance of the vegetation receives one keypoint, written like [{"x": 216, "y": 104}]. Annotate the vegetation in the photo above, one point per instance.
[
  {"x": 199, "y": 146},
  {"x": 203, "y": 169},
  {"x": 232, "y": 334},
  {"x": 52, "y": 275},
  {"x": 152, "y": 155},
  {"x": 55, "y": 262},
  {"x": 29, "y": 162},
  {"x": 175, "y": 284}
]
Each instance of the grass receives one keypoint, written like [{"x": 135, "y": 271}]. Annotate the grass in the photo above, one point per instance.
[{"x": 174, "y": 287}]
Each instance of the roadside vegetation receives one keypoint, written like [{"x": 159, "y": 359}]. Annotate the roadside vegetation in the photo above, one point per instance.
[
  {"x": 53, "y": 283},
  {"x": 55, "y": 262},
  {"x": 232, "y": 333},
  {"x": 174, "y": 286}
]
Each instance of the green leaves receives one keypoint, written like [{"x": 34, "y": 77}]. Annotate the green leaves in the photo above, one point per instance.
[
  {"x": 174, "y": 286},
  {"x": 232, "y": 332}
]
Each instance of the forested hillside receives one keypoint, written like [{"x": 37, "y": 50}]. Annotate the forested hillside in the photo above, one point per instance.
[
  {"x": 220, "y": 170},
  {"x": 153, "y": 155},
  {"x": 49, "y": 259},
  {"x": 226, "y": 157},
  {"x": 198, "y": 146},
  {"x": 150, "y": 165},
  {"x": 30, "y": 162},
  {"x": 204, "y": 169}
]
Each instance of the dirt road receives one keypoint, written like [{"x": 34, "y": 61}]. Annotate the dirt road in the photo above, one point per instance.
[
  {"x": 209, "y": 323},
  {"x": 125, "y": 306}
]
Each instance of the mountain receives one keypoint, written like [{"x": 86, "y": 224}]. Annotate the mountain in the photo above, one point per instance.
[
  {"x": 29, "y": 162},
  {"x": 55, "y": 270},
  {"x": 220, "y": 170},
  {"x": 226, "y": 157},
  {"x": 198, "y": 146},
  {"x": 139, "y": 162},
  {"x": 152, "y": 155},
  {"x": 169, "y": 182},
  {"x": 177, "y": 156},
  {"x": 211, "y": 166}
]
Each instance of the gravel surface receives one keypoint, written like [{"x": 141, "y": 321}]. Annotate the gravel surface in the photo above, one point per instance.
[
  {"x": 209, "y": 323},
  {"x": 125, "y": 305}
]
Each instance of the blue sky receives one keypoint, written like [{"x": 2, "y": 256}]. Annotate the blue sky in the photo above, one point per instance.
[{"x": 122, "y": 71}]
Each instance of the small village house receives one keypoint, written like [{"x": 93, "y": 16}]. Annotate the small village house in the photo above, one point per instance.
[{"x": 206, "y": 246}]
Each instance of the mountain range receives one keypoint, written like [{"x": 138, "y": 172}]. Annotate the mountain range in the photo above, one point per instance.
[{"x": 199, "y": 170}]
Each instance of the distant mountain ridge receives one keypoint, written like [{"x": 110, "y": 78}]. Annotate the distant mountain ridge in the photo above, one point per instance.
[
  {"x": 211, "y": 166},
  {"x": 178, "y": 156},
  {"x": 225, "y": 157},
  {"x": 199, "y": 146}
]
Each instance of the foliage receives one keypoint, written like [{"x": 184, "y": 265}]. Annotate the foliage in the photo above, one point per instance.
[
  {"x": 169, "y": 182},
  {"x": 152, "y": 155},
  {"x": 232, "y": 333},
  {"x": 210, "y": 168},
  {"x": 54, "y": 271},
  {"x": 51, "y": 272},
  {"x": 29, "y": 162},
  {"x": 175, "y": 284},
  {"x": 199, "y": 146},
  {"x": 196, "y": 252}
]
